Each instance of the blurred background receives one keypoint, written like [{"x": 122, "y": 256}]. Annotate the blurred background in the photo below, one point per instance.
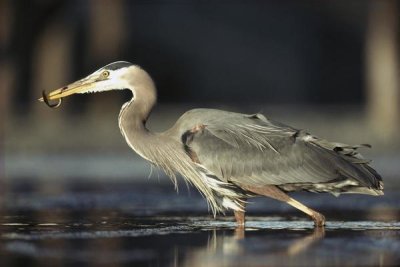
[
  {"x": 330, "y": 67},
  {"x": 67, "y": 175}
]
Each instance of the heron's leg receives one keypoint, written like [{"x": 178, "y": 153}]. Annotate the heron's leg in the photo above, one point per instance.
[
  {"x": 275, "y": 193},
  {"x": 240, "y": 215},
  {"x": 319, "y": 219}
]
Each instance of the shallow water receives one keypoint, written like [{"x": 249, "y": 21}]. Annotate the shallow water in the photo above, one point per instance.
[{"x": 152, "y": 226}]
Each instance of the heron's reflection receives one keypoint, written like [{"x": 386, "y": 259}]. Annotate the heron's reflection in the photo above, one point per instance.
[{"x": 224, "y": 247}]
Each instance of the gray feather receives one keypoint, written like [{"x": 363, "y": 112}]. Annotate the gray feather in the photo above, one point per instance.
[{"x": 252, "y": 150}]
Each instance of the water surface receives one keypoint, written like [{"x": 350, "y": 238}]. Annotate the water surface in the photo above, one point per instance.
[{"x": 147, "y": 225}]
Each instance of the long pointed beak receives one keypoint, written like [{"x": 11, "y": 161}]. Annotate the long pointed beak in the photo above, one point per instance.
[{"x": 77, "y": 87}]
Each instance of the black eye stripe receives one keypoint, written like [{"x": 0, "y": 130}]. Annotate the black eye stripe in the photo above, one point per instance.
[{"x": 117, "y": 65}]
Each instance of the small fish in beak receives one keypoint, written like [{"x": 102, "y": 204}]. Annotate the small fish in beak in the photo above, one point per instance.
[
  {"x": 46, "y": 100},
  {"x": 86, "y": 85}
]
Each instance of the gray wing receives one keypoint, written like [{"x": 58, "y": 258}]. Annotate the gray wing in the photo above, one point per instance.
[{"x": 252, "y": 150}]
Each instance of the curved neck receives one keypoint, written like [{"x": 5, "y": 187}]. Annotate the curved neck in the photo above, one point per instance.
[
  {"x": 134, "y": 114},
  {"x": 136, "y": 111}
]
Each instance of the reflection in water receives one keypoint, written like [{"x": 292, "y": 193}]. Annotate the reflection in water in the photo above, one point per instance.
[
  {"x": 302, "y": 244},
  {"x": 119, "y": 239},
  {"x": 122, "y": 226},
  {"x": 226, "y": 250}
]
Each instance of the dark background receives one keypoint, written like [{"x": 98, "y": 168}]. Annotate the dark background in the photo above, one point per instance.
[{"x": 203, "y": 51}]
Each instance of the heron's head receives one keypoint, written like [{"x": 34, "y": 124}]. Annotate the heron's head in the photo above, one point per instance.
[{"x": 114, "y": 76}]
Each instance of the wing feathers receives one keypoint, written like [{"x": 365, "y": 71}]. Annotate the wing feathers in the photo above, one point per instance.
[{"x": 252, "y": 150}]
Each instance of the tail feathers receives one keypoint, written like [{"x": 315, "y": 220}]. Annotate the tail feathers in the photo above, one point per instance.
[
  {"x": 362, "y": 173},
  {"x": 363, "y": 190},
  {"x": 351, "y": 164},
  {"x": 377, "y": 176}
]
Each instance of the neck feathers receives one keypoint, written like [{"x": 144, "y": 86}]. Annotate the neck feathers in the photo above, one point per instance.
[
  {"x": 134, "y": 113},
  {"x": 162, "y": 150},
  {"x": 138, "y": 109},
  {"x": 144, "y": 94}
]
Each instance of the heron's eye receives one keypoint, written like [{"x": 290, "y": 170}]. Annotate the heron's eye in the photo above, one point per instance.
[{"x": 105, "y": 74}]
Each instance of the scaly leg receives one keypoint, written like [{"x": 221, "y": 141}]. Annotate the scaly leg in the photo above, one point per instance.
[
  {"x": 240, "y": 215},
  {"x": 275, "y": 193}
]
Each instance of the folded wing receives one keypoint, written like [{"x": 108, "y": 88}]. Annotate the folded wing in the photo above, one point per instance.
[{"x": 252, "y": 150}]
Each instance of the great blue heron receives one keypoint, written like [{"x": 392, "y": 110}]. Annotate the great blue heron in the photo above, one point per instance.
[{"x": 228, "y": 156}]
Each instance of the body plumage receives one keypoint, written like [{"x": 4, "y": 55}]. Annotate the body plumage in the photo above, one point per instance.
[{"x": 231, "y": 156}]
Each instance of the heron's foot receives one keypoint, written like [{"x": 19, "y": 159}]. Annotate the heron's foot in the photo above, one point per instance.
[{"x": 319, "y": 219}]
